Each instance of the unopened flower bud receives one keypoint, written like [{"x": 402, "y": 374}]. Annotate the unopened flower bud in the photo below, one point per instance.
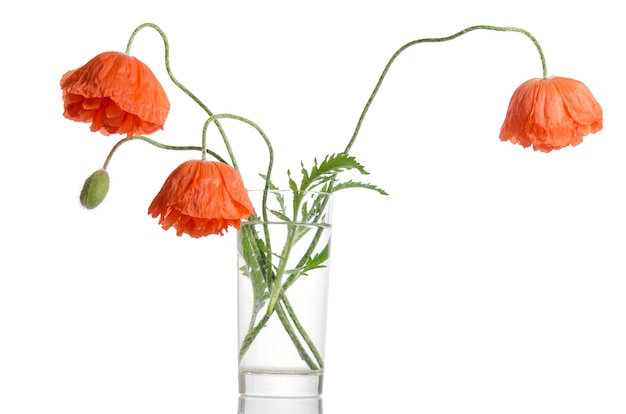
[{"x": 95, "y": 189}]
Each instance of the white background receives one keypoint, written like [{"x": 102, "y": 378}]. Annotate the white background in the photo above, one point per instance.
[{"x": 490, "y": 280}]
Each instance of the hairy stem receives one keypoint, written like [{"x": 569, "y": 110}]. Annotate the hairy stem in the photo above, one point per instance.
[
  {"x": 434, "y": 40},
  {"x": 159, "y": 145},
  {"x": 180, "y": 85}
]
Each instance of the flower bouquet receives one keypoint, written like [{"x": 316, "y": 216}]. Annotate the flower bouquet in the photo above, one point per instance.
[{"x": 283, "y": 241}]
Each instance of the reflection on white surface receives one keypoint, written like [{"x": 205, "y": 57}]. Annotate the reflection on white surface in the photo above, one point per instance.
[{"x": 256, "y": 405}]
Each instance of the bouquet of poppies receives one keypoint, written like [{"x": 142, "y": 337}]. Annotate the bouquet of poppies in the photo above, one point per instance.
[{"x": 118, "y": 94}]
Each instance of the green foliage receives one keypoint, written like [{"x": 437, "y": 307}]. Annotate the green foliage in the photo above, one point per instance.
[
  {"x": 303, "y": 216},
  {"x": 254, "y": 252},
  {"x": 322, "y": 177},
  {"x": 356, "y": 184},
  {"x": 326, "y": 172},
  {"x": 317, "y": 261}
]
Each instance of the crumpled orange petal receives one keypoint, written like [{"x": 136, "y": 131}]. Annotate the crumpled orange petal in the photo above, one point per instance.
[
  {"x": 117, "y": 94},
  {"x": 200, "y": 198},
  {"x": 550, "y": 114}
]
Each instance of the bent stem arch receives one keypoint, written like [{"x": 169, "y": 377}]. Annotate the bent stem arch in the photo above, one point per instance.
[
  {"x": 166, "y": 47},
  {"x": 436, "y": 40}
]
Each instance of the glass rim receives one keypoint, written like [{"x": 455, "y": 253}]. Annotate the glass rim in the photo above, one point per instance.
[
  {"x": 272, "y": 191},
  {"x": 323, "y": 217},
  {"x": 245, "y": 222}
]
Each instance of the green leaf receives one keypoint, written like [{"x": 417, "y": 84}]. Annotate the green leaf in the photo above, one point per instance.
[
  {"x": 280, "y": 214},
  {"x": 293, "y": 186},
  {"x": 254, "y": 251},
  {"x": 280, "y": 198},
  {"x": 271, "y": 185},
  {"x": 356, "y": 184},
  {"x": 328, "y": 169},
  {"x": 318, "y": 261}
]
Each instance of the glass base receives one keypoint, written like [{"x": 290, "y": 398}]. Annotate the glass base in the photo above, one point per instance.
[
  {"x": 280, "y": 384},
  {"x": 265, "y": 405}
]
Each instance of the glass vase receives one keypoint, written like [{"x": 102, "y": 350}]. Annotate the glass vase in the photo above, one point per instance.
[{"x": 283, "y": 271}]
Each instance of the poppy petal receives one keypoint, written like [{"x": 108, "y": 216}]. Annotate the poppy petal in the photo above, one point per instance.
[
  {"x": 550, "y": 114},
  {"x": 114, "y": 83},
  {"x": 200, "y": 198}
]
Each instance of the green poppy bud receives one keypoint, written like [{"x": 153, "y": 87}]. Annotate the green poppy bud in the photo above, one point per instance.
[{"x": 95, "y": 189}]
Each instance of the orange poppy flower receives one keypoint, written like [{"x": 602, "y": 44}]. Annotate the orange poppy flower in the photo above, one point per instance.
[
  {"x": 551, "y": 114},
  {"x": 117, "y": 93},
  {"x": 201, "y": 198}
]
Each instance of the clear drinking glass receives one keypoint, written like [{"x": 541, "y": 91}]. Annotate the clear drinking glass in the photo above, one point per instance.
[{"x": 283, "y": 273}]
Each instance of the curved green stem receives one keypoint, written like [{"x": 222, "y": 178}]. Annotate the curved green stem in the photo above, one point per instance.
[
  {"x": 277, "y": 286},
  {"x": 302, "y": 331},
  {"x": 278, "y": 301},
  {"x": 180, "y": 85},
  {"x": 214, "y": 118},
  {"x": 256, "y": 259},
  {"x": 159, "y": 145},
  {"x": 441, "y": 39},
  {"x": 294, "y": 339},
  {"x": 251, "y": 336},
  {"x": 282, "y": 316}
]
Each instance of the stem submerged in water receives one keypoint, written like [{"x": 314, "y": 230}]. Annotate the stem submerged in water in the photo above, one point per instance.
[
  {"x": 278, "y": 302},
  {"x": 272, "y": 274}
]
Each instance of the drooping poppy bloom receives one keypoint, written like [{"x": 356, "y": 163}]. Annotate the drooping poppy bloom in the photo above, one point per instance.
[
  {"x": 551, "y": 114},
  {"x": 117, "y": 93},
  {"x": 201, "y": 198}
]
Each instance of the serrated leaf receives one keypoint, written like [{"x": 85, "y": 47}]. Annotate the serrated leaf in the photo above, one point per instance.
[
  {"x": 280, "y": 215},
  {"x": 356, "y": 184},
  {"x": 280, "y": 198},
  {"x": 270, "y": 183},
  {"x": 318, "y": 260},
  {"x": 253, "y": 251},
  {"x": 328, "y": 169},
  {"x": 293, "y": 186}
]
